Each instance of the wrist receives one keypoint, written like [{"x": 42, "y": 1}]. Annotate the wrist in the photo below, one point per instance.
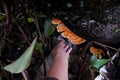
[{"x": 61, "y": 57}]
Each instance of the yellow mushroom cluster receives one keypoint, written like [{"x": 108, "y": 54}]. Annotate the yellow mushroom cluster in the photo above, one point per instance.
[{"x": 67, "y": 33}]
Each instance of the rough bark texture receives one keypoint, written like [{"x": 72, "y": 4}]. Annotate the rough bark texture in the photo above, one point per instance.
[{"x": 107, "y": 32}]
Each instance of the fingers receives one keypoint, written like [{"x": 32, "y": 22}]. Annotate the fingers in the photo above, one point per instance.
[
  {"x": 69, "y": 50},
  {"x": 66, "y": 47},
  {"x": 61, "y": 49}
]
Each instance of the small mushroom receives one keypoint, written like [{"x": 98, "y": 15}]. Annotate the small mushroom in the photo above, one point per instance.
[
  {"x": 97, "y": 51},
  {"x": 56, "y": 21}
]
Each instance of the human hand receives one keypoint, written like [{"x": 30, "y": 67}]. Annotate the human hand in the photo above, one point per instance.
[{"x": 61, "y": 50}]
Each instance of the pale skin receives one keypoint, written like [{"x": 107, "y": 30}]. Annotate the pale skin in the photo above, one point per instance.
[{"x": 59, "y": 67}]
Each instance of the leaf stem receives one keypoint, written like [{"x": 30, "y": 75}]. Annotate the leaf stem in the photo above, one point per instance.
[{"x": 25, "y": 75}]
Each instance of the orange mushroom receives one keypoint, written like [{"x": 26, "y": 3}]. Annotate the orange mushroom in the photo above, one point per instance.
[
  {"x": 56, "y": 21},
  {"x": 77, "y": 41},
  {"x": 61, "y": 27},
  {"x": 67, "y": 33},
  {"x": 97, "y": 51},
  {"x": 74, "y": 37}
]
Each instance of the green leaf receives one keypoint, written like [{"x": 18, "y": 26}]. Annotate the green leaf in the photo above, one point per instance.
[
  {"x": 30, "y": 20},
  {"x": 23, "y": 61},
  {"x": 41, "y": 15},
  {"x": 117, "y": 30},
  {"x": 2, "y": 16},
  {"x": 68, "y": 4},
  {"x": 97, "y": 63},
  {"x": 48, "y": 28},
  {"x": 38, "y": 47}
]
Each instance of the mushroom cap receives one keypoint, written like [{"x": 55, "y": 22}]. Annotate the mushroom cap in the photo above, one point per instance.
[
  {"x": 97, "y": 51},
  {"x": 61, "y": 28},
  {"x": 67, "y": 33},
  {"x": 56, "y": 21},
  {"x": 77, "y": 41}
]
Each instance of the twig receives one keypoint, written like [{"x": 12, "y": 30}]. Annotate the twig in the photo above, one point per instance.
[
  {"x": 6, "y": 12},
  {"x": 25, "y": 75},
  {"x": 23, "y": 34},
  {"x": 44, "y": 65},
  {"x": 8, "y": 18},
  {"x": 105, "y": 46},
  {"x": 37, "y": 26},
  {"x": 38, "y": 29},
  {"x": 83, "y": 51},
  {"x": 82, "y": 67}
]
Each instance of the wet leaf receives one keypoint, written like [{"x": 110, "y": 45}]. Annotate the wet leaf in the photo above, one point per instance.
[
  {"x": 2, "y": 16},
  {"x": 30, "y": 20},
  {"x": 118, "y": 30},
  {"x": 38, "y": 47},
  {"x": 42, "y": 15},
  {"x": 97, "y": 63},
  {"x": 69, "y": 4},
  {"x": 23, "y": 61},
  {"x": 48, "y": 28}
]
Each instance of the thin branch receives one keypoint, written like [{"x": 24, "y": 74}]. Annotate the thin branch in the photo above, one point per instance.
[
  {"x": 38, "y": 28},
  {"x": 82, "y": 68},
  {"x": 80, "y": 53},
  {"x": 105, "y": 45},
  {"x": 23, "y": 34},
  {"x": 25, "y": 75},
  {"x": 6, "y": 12}
]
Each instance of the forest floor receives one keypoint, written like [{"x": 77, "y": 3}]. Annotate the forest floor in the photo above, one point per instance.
[{"x": 97, "y": 21}]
